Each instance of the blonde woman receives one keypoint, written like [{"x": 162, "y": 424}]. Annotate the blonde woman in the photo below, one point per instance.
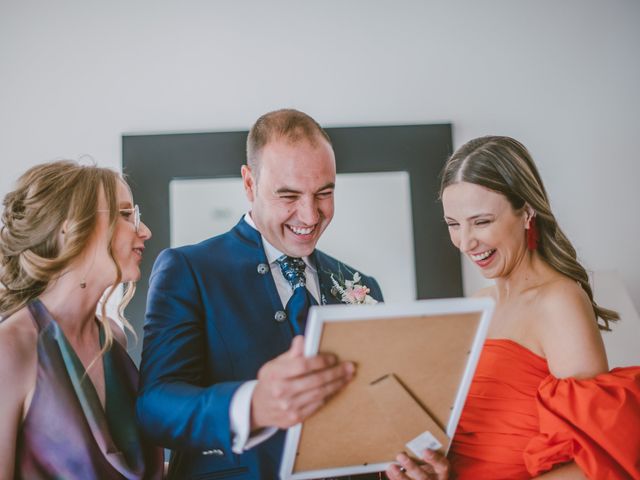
[{"x": 69, "y": 234}]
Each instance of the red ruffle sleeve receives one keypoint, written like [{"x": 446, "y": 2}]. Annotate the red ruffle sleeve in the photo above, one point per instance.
[{"x": 594, "y": 422}]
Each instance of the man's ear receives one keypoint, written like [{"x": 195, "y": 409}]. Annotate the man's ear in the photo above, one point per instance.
[{"x": 248, "y": 182}]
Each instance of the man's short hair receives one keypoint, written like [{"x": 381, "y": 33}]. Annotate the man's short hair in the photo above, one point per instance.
[{"x": 293, "y": 125}]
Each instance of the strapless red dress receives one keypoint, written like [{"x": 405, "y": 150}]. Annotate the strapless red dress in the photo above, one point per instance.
[{"x": 519, "y": 421}]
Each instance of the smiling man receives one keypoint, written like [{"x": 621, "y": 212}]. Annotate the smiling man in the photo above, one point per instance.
[{"x": 223, "y": 371}]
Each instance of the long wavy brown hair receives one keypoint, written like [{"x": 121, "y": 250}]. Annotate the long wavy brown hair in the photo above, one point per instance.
[
  {"x": 31, "y": 253},
  {"x": 504, "y": 165}
]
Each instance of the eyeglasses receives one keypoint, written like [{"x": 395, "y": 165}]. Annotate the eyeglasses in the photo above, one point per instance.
[
  {"x": 136, "y": 216},
  {"x": 128, "y": 213}
]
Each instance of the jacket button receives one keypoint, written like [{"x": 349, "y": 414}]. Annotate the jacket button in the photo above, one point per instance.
[
  {"x": 280, "y": 316},
  {"x": 262, "y": 268},
  {"x": 216, "y": 451}
]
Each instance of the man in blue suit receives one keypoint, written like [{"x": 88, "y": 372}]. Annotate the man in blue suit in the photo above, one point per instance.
[{"x": 223, "y": 371}]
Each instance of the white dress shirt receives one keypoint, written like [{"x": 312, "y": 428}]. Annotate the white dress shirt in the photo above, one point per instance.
[{"x": 240, "y": 408}]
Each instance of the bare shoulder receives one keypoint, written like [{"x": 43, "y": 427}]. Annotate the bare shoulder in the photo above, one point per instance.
[
  {"x": 18, "y": 372},
  {"x": 564, "y": 301},
  {"x": 18, "y": 338},
  {"x": 568, "y": 330},
  {"x": 18, "y": 344}
]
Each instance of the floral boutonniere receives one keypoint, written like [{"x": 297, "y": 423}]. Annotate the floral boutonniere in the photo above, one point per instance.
[{"x": 351, "y": 291}]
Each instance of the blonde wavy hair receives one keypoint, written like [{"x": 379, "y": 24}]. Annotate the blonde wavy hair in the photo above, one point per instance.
[
  {"x": 504, "y": 165},
  {"x": 31, "y": 255}
]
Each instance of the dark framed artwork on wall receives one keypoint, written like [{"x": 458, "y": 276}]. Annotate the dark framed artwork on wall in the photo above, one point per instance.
[{"x": 152, "y": 162}]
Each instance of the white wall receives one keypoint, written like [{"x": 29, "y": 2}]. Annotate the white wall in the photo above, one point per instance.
[{"x": 560, "y": 76}]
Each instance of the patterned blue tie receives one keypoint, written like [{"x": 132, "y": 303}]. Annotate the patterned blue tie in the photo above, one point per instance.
[{"x": 299, "y": 303}]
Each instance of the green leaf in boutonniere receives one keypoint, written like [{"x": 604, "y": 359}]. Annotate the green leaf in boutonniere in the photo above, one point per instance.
[{"x": 351, "y": 291}]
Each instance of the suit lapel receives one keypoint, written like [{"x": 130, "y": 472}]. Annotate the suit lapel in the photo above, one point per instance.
[
  {"x": 325, "y": 266},
  {"x": 250, "y": 242}
]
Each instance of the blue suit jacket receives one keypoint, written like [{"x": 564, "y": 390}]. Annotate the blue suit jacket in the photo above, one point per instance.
[{"x": 210, "y": 325}]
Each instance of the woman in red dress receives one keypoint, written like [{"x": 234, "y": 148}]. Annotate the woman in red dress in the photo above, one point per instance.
[{"x": 543, "y": 403}]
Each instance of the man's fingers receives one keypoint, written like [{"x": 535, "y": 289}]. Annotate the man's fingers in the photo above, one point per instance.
[
  {"x": 293, "y": 363},
  {"x": 292, "y": 400},
  {"x": 316, "y": 363},
  {"x": 281, "y": 385},
  {"x": 319, "y": 388},
  {"x": 295, "y": 394},
  {"x": 291, "y": 387},
  {"x": 288, "y": 366},
  {"x": 343, "y": 371}
]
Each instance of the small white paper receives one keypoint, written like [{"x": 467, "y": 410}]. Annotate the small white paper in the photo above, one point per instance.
[{"x": 424, "y": 441}]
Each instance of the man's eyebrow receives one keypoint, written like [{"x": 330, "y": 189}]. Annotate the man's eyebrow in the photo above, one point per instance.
[
  {"x": 289, "y": 190},
  {"x": 328, "y": 186}
]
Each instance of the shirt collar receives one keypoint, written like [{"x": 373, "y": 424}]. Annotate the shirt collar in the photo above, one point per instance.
[{"x": 272, "y": 252}]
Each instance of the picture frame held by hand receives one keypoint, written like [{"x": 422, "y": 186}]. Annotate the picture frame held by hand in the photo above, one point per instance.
[{"x": 414, "y": 365}]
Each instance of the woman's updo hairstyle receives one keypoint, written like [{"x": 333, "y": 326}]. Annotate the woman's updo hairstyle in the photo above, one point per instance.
[{"x": 34, "y": 250}]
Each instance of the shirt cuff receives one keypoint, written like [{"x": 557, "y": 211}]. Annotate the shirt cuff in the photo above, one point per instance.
[{"x": 240, "y": 418}]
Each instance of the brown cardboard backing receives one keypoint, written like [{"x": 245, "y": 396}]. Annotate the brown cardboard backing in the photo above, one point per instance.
[
  {"x": 427, "y": 354},
  {"x": 402, "y": 413}
]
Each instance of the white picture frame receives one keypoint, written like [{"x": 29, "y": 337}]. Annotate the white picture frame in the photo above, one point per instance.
[{"x": 365, "y": 317}]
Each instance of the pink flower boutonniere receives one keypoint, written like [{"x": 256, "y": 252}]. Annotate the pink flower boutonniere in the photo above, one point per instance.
[{"x": 351, "y": 291}]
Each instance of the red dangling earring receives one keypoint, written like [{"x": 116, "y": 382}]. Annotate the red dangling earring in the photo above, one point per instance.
[{"x": 532, "y": 234}]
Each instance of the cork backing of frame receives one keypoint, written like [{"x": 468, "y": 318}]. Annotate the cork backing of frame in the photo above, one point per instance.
[{"x": 426, "y": 357}]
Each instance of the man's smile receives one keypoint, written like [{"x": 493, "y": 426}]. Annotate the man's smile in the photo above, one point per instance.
[{"x": 298, "y": 230}]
